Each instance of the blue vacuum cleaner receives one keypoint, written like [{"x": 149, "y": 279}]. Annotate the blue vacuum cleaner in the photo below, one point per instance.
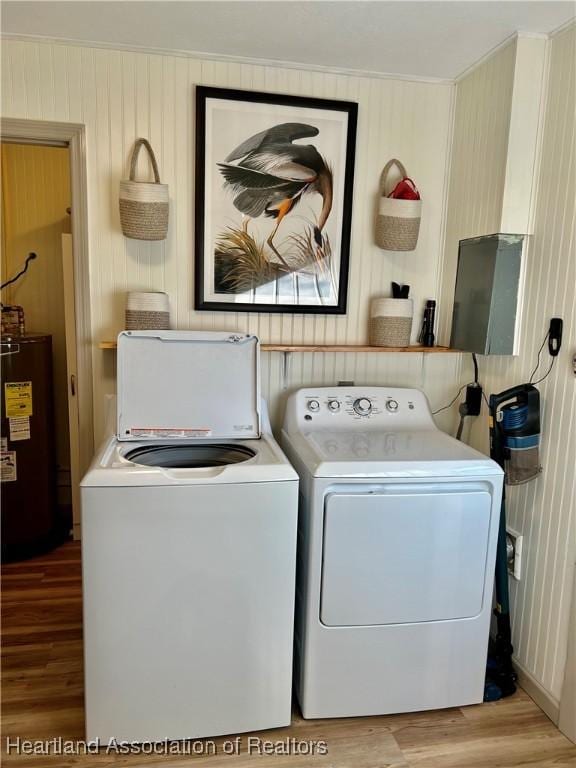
[{"x": 514, "y": 445}]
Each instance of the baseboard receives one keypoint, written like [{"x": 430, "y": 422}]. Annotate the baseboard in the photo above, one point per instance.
[
  {"x": 567, "y": 719},
  {"x": 547, "y": 703}
]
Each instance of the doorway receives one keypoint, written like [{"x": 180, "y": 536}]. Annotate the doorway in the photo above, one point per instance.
[
  {"x": 36, "y": 228},
  {"x": 44, "y": 212}
]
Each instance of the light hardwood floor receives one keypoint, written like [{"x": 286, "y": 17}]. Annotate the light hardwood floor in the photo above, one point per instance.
[{"x": 42, "y": 698}]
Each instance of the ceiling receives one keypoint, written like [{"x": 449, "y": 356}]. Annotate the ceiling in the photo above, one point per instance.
[{"x": 406, "y": 37}]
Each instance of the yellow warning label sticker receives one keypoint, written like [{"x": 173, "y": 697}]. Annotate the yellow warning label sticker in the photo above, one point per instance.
[{"x": 18, "y": 398}]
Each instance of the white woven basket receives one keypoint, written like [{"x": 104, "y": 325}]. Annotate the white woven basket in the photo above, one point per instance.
[
  {"x": 398, "y": 221},
  {"x": 144, "y": 205},
  {"x": 391, "y": 322},
  {"x": 147, "y": 310}
]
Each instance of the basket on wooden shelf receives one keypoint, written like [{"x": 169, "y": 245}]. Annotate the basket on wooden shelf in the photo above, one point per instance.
[
  {"x": 391, "y": 322},
  {"x": 147, "y": 311}
]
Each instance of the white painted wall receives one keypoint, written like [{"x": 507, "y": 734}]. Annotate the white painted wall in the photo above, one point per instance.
[
  {"x": 122, "y": 95},
  {"x": 543, "y": 510},
  {"x": 483, "y": 104}
]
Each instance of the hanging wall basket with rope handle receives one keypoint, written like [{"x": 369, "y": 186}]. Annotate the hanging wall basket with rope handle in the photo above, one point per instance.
[
  {"x": 143, "y": 204},
  {"x": 398, "y": 220}
]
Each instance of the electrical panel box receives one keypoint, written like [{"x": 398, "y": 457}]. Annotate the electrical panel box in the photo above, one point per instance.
[{"x": 485, "y": 318}]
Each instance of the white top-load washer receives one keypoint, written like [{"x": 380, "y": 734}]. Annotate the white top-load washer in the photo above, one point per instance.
[
  {"x": 397, "y": 541},
  {"x": 189, "y": 518}
]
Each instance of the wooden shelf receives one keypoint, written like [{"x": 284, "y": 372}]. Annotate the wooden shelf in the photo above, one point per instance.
[
  {"x": 331, "y": 348},
  {"x": 349, "y": 348}
]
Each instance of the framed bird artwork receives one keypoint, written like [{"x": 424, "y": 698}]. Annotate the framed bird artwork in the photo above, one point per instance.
[{"x": 274, "y": 178}]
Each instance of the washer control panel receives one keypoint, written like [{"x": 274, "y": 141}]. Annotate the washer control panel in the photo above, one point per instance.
[
  {"x": 359, "y": 406},
  {"x": 333, "y": 407},
  {"x": 362, "y": 406}
]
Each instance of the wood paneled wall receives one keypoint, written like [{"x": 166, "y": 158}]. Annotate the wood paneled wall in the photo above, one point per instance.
[
  {"x": 483, "y": 104},
  {"x": 121, "y": 95},
  {"x": 543, "y": 510}
]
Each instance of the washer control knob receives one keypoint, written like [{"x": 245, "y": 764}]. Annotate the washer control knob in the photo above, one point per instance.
[
  {"x": 334, "y": 406},
  {"x": 313, "y": 405},
  {"x": 391, "y": 405},
  {"x": 362, "y": 406}
]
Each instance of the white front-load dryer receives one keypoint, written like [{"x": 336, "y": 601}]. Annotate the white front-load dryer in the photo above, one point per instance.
[
  {"x": 397, "y": 541},
  {"x": 189, "y": 518}
]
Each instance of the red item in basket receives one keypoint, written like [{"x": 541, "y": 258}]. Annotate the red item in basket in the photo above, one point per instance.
[{"x": 405, "y": 190}]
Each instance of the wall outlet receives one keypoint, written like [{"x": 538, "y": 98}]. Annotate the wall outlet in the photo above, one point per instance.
[{"x": 514, "y": 541}]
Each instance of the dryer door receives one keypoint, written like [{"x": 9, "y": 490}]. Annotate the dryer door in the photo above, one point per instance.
[{"x": 405, "y": 554}]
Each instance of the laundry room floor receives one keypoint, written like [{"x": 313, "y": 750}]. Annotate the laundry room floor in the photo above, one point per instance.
[{"x": 42, "y": 699}]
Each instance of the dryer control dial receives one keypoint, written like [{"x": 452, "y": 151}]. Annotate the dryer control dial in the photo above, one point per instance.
[
  {"x": 392, "y": 406},
  {"x": 362, "y": 406},
  {"x": 313, "y": 405},
  {"x": 334, "y": 405}
]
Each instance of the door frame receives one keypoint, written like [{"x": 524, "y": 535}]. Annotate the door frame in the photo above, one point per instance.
[{"x": 74, "y": 135}]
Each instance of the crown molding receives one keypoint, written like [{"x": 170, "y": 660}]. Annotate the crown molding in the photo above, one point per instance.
[
  {"x": 512, "y": 38},
  {"x": 488, "y": 55},
  {"x": 563, "y": 27},
  {"x": 282, "y": 64},
  {"x": 202, "y": 55}
]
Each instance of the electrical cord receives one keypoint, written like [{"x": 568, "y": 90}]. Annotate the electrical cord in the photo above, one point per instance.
[
  {"x": 29, "y": 258},
  {"x": 475, "y": 361},
  {"x": 461, "y": 423},
  {"x": 546, "y": 374},
  {"x": 445, "y": 407},
  {"x": 538, "y": 359},
  {"x": 476, "y": 382}
]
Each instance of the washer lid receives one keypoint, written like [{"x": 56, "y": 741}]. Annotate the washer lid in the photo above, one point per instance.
[{"x": 182, "y": 385}]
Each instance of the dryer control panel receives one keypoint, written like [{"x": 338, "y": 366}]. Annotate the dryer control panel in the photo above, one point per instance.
[{"x": 344, "y": 407}]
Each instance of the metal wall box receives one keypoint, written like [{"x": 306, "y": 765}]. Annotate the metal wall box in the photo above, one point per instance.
[{"x": 485, "y": 317}]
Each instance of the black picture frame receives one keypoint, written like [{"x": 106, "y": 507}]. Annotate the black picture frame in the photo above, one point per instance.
[{"x": 350, "y": 110}]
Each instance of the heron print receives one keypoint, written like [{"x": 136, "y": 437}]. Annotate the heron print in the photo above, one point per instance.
[{"x": 277, "y": 186}]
